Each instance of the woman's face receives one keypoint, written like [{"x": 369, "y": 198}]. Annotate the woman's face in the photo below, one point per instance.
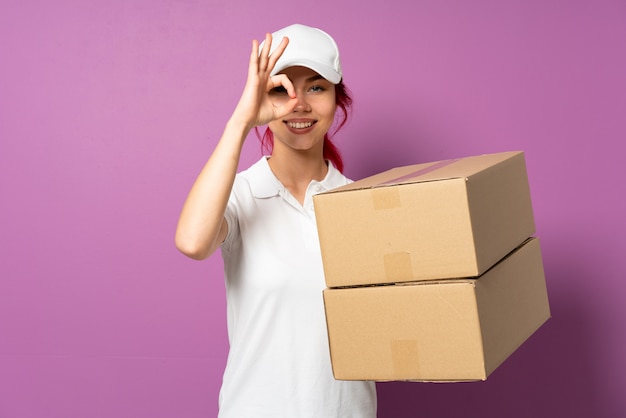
[{"x": 305, "y": 127}]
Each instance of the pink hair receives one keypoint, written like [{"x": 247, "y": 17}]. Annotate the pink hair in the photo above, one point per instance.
[{"x": 343, "y": 100}]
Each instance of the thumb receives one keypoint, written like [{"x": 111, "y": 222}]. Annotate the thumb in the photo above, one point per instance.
[{"x": 286, "y": 107}]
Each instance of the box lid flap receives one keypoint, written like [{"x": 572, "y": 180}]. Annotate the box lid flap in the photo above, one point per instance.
[{"x": 433, "y": 171}]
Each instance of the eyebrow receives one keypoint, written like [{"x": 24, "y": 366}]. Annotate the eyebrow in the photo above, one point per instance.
[{"x": 314, "y": 78}]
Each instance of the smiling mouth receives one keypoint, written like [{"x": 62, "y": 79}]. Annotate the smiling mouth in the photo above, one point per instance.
[{"x": 300, "y": 125}]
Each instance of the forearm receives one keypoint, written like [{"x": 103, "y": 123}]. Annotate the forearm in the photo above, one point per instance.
[{"x": 201, "y": 226}]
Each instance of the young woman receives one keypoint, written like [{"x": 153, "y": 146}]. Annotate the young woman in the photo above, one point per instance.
[{"x": 263, "y": 221}]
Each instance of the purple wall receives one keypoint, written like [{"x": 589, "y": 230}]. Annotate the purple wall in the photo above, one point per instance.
[{"x": 108, "y": 110}]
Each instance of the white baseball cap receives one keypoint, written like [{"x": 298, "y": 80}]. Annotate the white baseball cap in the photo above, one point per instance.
[{"x": 308, "y": 47}]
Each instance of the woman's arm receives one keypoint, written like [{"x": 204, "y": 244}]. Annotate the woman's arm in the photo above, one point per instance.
[{"x": 201, "y": 227}]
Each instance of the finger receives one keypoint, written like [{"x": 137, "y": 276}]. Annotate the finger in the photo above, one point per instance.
[
  {"x": 278, "y": 52},
  {"x": 254, "y": 57},
  {"x": 265, "y": 52},
  {"x": 282, "y": 80}
]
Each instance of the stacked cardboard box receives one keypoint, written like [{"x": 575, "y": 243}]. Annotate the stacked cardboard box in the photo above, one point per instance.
[{"x": 432, "y": 270}]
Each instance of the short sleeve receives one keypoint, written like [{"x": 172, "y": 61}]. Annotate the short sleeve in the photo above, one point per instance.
[{"x": 232, "y": 218}]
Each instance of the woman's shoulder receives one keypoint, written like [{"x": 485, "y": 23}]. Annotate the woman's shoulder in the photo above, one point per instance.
[{"x": 257, "y": 180}]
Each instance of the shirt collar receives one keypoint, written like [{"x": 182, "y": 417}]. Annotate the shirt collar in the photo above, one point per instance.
[
  {"x": 264, "y": 184},
  {"x": 333, "y": 178}
]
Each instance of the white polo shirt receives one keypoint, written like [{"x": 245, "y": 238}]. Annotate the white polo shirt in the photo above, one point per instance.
[{"x": 279, "y": 364}]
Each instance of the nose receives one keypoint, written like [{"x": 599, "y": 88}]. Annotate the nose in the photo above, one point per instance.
[{"x": 302, "y": 105}]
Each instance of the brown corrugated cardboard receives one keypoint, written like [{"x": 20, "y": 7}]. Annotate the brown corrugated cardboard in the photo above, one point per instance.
[
  {"x": 453, "y": 218},
  {"x": 448, "y": 330}
]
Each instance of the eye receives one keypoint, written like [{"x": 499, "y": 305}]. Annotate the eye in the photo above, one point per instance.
[
  {"x": 278, "y": 90},
  {"x": 317, "y": 89}
]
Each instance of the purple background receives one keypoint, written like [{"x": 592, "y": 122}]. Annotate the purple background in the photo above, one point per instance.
[{"x": 108, "y": 109}]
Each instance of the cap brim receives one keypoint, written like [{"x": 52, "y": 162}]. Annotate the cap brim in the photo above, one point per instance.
[{"x": 325, "y": 71}]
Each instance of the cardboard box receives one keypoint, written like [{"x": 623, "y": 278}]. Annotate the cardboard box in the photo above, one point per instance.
[
  {"x": 453, "y": 218},
  {"x": 449, "y": 330}
]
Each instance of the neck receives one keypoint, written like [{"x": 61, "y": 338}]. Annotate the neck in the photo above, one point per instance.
[{"x": 297, "y": 169}]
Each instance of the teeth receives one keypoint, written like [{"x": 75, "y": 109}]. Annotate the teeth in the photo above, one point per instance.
[{"x": 299, "y": 125}]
